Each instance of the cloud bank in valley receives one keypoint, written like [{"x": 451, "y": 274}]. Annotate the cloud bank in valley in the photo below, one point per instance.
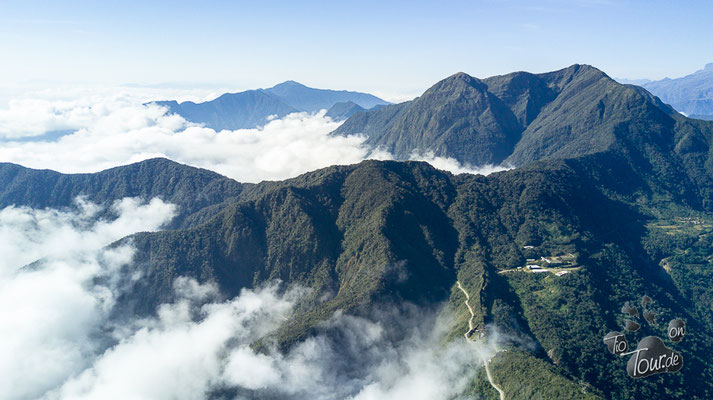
[
  {"x": 95, "y": 131},
  {"x": 452, "y": 165},
  {"x": 59, "y": 341},
  {"x": 200, "y": 348},
  {"x": 52, "y": 311}
]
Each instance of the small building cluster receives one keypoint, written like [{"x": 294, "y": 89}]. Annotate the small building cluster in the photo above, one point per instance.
[{"x": 535, "y": 268}]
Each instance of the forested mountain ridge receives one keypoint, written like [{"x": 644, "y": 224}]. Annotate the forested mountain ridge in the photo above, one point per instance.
[
  {"x": 191, "y": 189},
  {"x": 394, "y": 232},
  {"x": 521, "y": 117}
]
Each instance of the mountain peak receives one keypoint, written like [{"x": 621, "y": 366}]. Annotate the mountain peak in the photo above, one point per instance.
[
  {"x": 305, "y": 98},
  {"x": 460, "y": 75},
  {"x": 343, "y": 110},
  {"x": 288, "y": 84},
  {"x": 251, "y": 108},
  {"x": 458, "y": 80},
  {"x": 582, "y": 69}
]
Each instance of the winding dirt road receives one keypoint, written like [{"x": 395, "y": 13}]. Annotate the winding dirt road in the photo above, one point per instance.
[{"x": 470, "y": 329}]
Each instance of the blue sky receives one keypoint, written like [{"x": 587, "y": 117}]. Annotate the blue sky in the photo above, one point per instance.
[{"x": 397, "y": 47}]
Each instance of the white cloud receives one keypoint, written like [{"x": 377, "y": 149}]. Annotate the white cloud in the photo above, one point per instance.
[
  {"x": 191, "y": 350},
  {"x": 401, "y": 356},
  {"x": 50, "y": 313},
  {"x": 27, "y": 235},
  {"x": 114, "y": 128},
  {"x": 179, "y": 355},
  {"x": 78, "y": 108},
  {"x": 452, "y": 165}
]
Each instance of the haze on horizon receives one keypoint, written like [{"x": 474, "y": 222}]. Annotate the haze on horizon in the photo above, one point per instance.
[{"x": 393, "y": 50}]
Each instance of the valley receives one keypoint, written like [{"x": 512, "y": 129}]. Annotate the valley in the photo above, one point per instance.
[{"x": 481, "y": 337}]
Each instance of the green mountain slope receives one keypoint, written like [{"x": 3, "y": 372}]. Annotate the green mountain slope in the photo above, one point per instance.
[
  {"x": 522, "y": 117},
  {"x": 457, "y": 116},
  {"x": 192, "y": 189},
  {"x": 393, "y": 232}
]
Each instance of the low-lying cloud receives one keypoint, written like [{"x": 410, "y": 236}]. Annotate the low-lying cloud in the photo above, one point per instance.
[
  {"x": 59, "y": 341},
  {"x": 452, "y": 165},
  {"x": 198, "y": 349},
  {"x": 51, "y": 312},
  {"x": 96, "y": 131},
  {"x": 181, "y": 353}
]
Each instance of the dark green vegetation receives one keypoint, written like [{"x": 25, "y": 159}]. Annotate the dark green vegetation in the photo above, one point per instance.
[
  {"x": 516, "y": 370},
  {"x": 197, "y": 192},
  {"x": 611, "y": 176},
  {"x": 252, "y": 108}
]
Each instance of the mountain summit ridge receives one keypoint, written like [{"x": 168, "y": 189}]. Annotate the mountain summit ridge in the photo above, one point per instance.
[{"x": 476, "y": 121}]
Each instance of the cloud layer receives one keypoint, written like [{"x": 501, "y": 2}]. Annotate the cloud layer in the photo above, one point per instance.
[
  {"x": 111, "y": 129},
  {"x": 52, "y": 311},
  {"x": 200, "y": 349}
]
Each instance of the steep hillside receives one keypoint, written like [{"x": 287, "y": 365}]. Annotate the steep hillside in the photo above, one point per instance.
[
  {"x": 379, "y": 233},
  {"x": 192, "y": 189}
]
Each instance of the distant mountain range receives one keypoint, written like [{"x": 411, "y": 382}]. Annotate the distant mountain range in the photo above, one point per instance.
[
  {"x": 691, "y": 94},
  {"x": 252, "y": 108}
]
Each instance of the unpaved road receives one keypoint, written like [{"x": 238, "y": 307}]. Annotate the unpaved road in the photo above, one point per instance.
[{"x": 470, "y": 329}]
